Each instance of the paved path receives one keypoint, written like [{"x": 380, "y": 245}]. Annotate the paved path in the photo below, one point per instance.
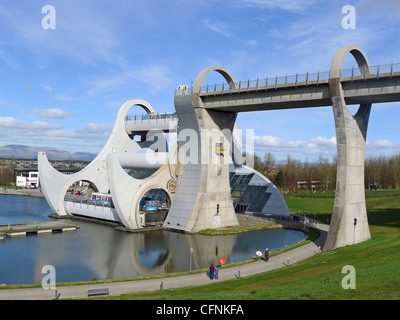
[{"x": 117, "y": 288}]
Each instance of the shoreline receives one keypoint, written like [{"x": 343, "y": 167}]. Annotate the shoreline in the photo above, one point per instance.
[
  {"x": 37, "y": 193},
  {"x": 165, "y": 276},
  {"x": 257, "y": 224},
  {"x": 78, "y": 289}
]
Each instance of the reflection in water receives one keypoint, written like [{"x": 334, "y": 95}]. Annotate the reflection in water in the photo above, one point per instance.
[{"x": 99, "y": 251}]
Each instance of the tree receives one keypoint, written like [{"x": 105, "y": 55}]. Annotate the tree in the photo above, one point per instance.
[
  {"x": 6, "y": 176},
  {"x": 279, "y": 180},
  {"x": 269, "y": 163},
  {"x": 381, "y": 171},
  {"x": 258, "y": 164}
]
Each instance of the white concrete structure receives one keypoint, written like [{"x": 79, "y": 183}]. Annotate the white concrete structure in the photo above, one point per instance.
[{"x": 108, "y": 175}]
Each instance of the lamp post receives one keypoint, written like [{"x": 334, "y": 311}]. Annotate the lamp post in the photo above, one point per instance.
[{"x": 190, "y": 258}]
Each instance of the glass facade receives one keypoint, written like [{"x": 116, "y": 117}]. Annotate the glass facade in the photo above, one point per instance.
[
  {"x": 250, "y": 191},
  {"x": 140, "y": 173},
  {"x": 156, "y": 194},
  {"x": 247, "y": 197}
]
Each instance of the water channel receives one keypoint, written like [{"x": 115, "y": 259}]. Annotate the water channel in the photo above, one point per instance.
[{"x": 99, "y": 251}]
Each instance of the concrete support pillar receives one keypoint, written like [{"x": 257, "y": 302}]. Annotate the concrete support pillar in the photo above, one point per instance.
[
  {"x": 203, "y": 195},
  {"x": 349, "y": 223}
]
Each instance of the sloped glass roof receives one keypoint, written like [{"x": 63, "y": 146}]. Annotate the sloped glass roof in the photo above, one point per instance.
[{"x": 251, "y": 193}]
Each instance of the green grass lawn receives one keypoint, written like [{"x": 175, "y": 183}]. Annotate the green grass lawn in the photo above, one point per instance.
[{"x": 376, "y": 261}]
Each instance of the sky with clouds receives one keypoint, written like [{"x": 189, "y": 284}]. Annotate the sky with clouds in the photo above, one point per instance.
[{"x": 63, "y": 87}]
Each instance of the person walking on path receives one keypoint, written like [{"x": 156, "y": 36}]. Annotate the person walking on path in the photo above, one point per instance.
[
  {"x": 216, "y": 272},
  {"x": 266, "y": 255},
  {"x": 212, "y": 269}
]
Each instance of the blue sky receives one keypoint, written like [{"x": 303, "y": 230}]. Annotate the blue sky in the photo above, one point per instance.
[{"x": 63, "y": 87}]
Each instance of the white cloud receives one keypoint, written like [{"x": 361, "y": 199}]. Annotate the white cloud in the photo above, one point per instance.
[
  {"x": 37, "y": 133},
  {"x": 156, "y": 76},
  {"x": 97, "y": 128},
  {"x": 49, "y": 89},
  {"x": 380, "y": 144},
  {"x": 12, "y": 123},
  {"x": 52, "y": 113},
  {"x": 318, "y": 145},
  {"x": 313, "y": 147},
  {"x": 218, "y": 27}
]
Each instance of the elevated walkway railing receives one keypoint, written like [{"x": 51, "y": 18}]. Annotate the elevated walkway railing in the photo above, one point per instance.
[
  {"x": 353, "y": 74},
  {"x": 156, "y": 116}
]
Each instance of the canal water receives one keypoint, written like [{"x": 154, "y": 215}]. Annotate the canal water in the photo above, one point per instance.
[{"x": 97, "y": 251}]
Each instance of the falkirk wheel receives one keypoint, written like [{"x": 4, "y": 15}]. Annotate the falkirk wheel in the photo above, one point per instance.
[
  {"x": 202, "y": 182},
  {"x": 137, "y": 182}
]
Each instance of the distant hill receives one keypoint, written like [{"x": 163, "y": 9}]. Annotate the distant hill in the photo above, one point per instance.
[{"x": 26, "y": 152}]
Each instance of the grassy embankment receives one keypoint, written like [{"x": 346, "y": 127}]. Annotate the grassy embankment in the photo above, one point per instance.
[{"x": 376, "y": 261}]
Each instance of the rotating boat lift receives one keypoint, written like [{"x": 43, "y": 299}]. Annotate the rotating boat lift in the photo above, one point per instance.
[{"x": 199, "y": 189}]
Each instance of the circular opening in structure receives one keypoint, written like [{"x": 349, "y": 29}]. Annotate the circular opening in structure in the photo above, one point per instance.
[
  {"x": 154, "y": 207},
  {"x": 80, "y": 190},
  {"x": 351, "y": 70},
  {"x": 83, "y": 199},
  {"x": 134, "y": 119},
  {"x": 82, "y": 193},
  {"x": 214, "y": 81},
  {"x": 136, "y": 112}
]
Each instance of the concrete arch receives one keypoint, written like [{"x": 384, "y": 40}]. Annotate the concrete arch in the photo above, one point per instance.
[
  {"x": 349, "y": 222},
  {"x": 127, "y": 191},
  {"x": 362, "y": 115},
  {"x": 55, "y": 184},
  {"x": 148, "y": 188},
  {"x": 146, "y": 106},
  {"x": 234, "y": 137},
  {"x": 201, "y": 77},
  {"x": 341, "y": 54},
  {"x": 91, "y": 185},
  {"x": 160, "y": 187},
  {"x": 198, "y": 83}
]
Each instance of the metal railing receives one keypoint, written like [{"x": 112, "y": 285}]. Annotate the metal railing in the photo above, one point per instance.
[
  {"x": 80, "y": 202},
  {"x": 379, "y": 71},
  {"x": 155, "y": 116}
]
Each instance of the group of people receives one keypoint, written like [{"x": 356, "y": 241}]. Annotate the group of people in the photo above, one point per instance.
[
  {"x": 214, "y": 270},
  {"x": 375, "y": 187}
]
